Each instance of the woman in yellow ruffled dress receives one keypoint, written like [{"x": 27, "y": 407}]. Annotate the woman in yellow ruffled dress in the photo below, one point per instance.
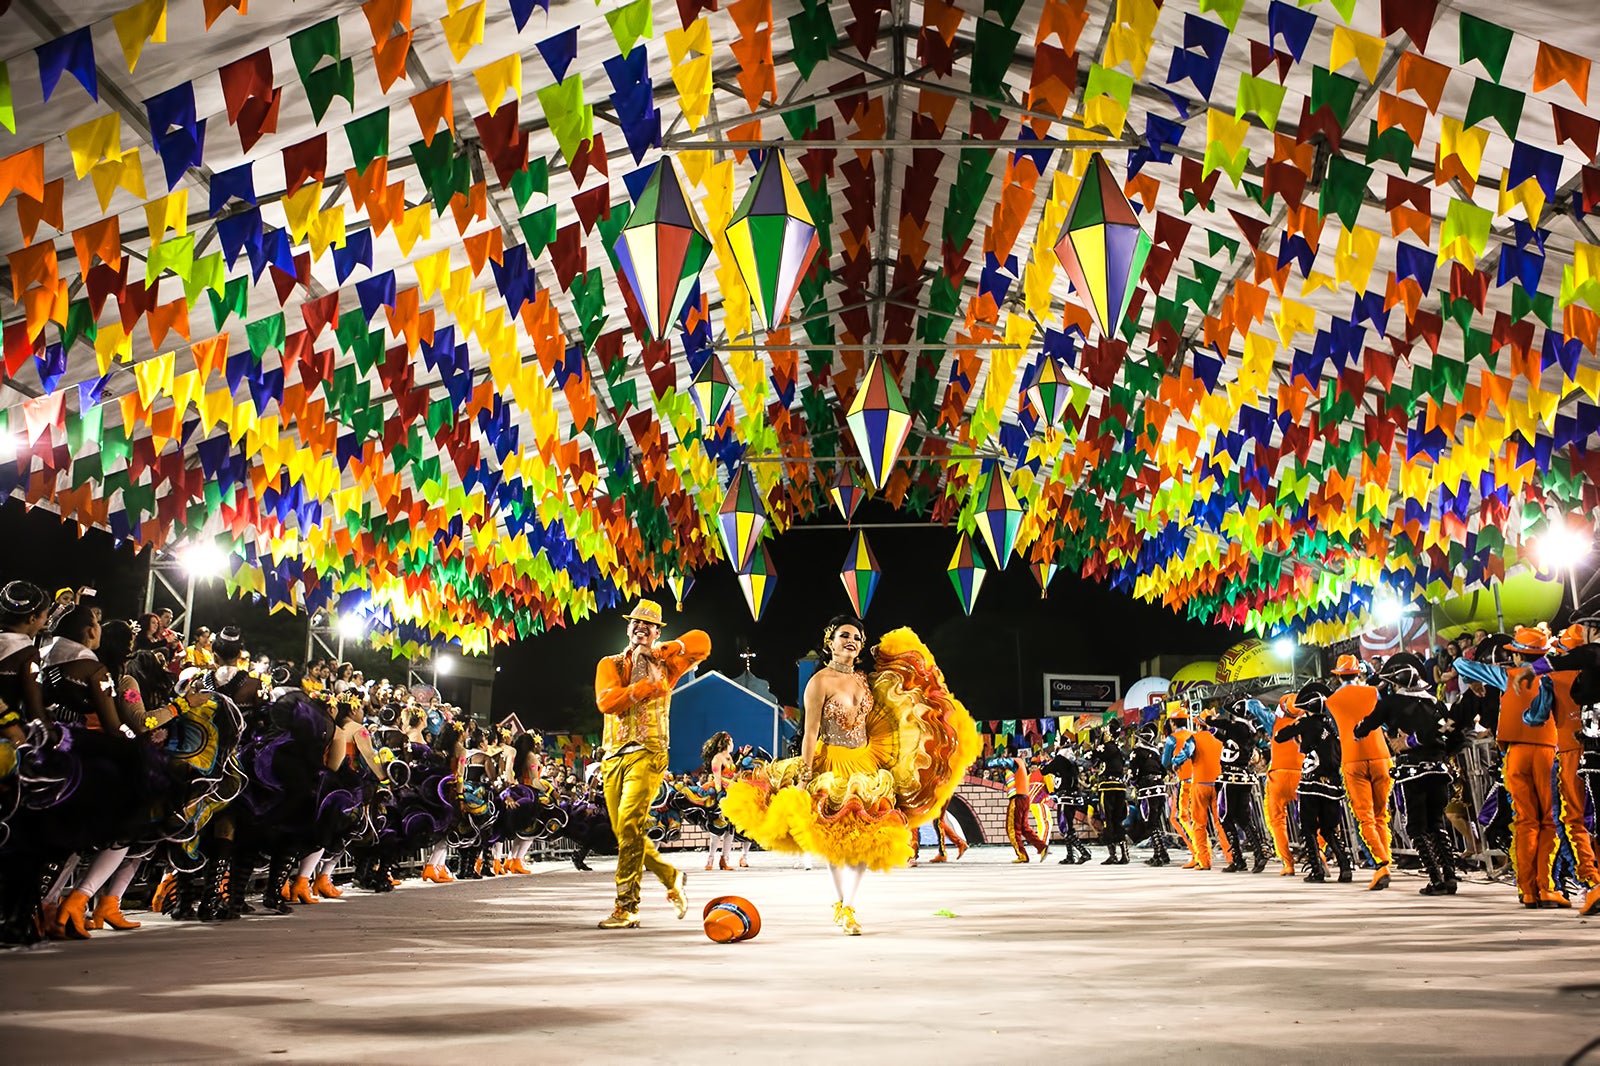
[{"x": 881, "y": 755}]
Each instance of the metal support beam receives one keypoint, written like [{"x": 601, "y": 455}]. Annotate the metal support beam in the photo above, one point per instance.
[{"x": 169, "y": 580}]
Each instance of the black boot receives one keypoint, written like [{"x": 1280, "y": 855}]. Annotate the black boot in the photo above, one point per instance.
[
  {"x": 1123, "y": 845},
  {"x": 1236, "y": 845},
  {"x": 214, "y": 901},
  {"x": 1263, "y": 853},
  {"x": 1158, "y": 849},
  {"x": 488, "y": 862},
  {"x": 1341, "y": 853},
  {"x": 272, "y": 900},
  {"x": 1447, "y": 861},
  {"x": 186, "y": 897},
  {"x": 1428, "y": 854},
  {"x": 19, "y": 903},
  {"x": 1070, "y": 842},
  {"x": 239, "y": 871},
  {"x": 578, "y": 857}
]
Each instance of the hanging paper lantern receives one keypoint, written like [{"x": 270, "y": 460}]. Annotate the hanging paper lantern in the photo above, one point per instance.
[
  {"x": 712, "y": 391},
  {"x": 680, "y": 584},
  {"x": 1050, "y": 393},
  {"x": 860, "y": 574},
  {"x": 773, "y": 240},
  {"x": 966, "y": 572},
  {"x": 1043, "y": 573},
  {"x": 662, "y": 248},
  {"x": 1001, "y": 517},
  {"x": 847, "y": 491},
  {"x": 879, "y": 420},
  {"x": 758, "y": 582},
  {"x": 742, "y": 518},
  {"x": 1103, "y": 246}
]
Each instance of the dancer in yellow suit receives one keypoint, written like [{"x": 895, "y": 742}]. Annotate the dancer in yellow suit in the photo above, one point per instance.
[{"x": 634, "y": 692}]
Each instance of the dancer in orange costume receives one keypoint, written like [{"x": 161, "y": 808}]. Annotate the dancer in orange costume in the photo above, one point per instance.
[
  {"x": 1178, "y": 741},
  {"x": 1019, "y": 814},
  {"x": 1283, "y": 779},
  {"x": 1579, "y": 698},
  {"x": 1367, "y": 762},
  {"x": 1205, "y": 752},
  {"x": 1527, "y": 735}
]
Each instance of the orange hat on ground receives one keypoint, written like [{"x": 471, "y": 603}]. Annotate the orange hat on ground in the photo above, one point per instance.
[
  {"x": 1530, "y": 641},
  {"x": 1347, "y": 666},
  {"x": 730, "y": 919}
]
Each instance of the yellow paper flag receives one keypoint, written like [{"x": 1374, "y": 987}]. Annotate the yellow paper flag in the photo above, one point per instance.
[
  {"x": 1365, "y": 49},
  {"x": 144, "y": 21},
  {"x": 463, "y": 29},
  {"x": 494, "y": 79},
  {"x": 97, "y": 140}
]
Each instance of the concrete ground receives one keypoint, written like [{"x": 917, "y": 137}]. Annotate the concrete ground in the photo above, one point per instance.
[{"x": 979, "y": 961}]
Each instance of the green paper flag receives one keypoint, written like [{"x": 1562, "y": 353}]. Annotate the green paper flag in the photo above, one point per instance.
[
  {"x": 571, "y": 120},
  {"x": 1333, "y": 91},
  {"x": 1226, "y": 10},
  {"x": 1006, "y": 9},
  {"x": 799, "y": 122},
  {"x": 1487, "y": 43},
  {"x": 1263, "y": 97},
  {"x": 1345, "y": 8},
  {"x": 369, "y": 138},
  {"x": 266, "y": 335},
  {"x": 1498, "y": 102},
  {"x": 312, "y": 44},
  {"x": 534, "y": 178},
  {"x": 324, "y": 84},
  {"x": 8, "y": 114},
  {"x": 80, "y": 323},
  {"x": 233, "y": 300},
  {"x": 814, "y": 37},
  {"x": 629, "y": 23},
  {"x": 538, "y": 229},
  {"x": 994, "y": 49}
]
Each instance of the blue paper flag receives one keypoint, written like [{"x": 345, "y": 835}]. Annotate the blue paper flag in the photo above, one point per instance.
[
  {"x": 376, "y": 292},
  {"x": 1293, "y": 24},
  {"x": 238, "y": 183},
  {"x": 522, "y": 11},
  {"x": 73, "y": 54},
  {"x": 357, "y": 251},
  {"x": 559, "y": 52},
  {"x": 635, "y": 181}
]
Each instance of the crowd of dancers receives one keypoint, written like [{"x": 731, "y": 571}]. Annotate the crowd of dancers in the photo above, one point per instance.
[
  {"x": 125, "y": 753},
  {"x": 1381, "y": 740}
]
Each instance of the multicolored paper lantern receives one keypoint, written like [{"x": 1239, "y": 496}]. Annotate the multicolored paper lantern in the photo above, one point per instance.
[
  {"x": 966, "y": 572},
  {"x": 1000, "y": 518},
  {"x": 1043, "y": 572},
  {"x": 860, "y": 574},
  {"x": 847, "y": 491},
  {"x": 680, "y": 584},
  {"x": 773, "y": 240},
  {"x": 879, "y": 420},
  {"x": 712, "y": 391},
  {"x": 1103, "y": 247},
  {"x": 1050, "y": 393},
  {"x": 742, "y": 518},
  {"x": 662, "y": 249},
  {"x": 758, "y": 582}
]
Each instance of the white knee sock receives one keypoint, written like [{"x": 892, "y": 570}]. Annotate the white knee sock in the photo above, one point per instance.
[
  {"x": 520, "y": 852},
  {"x": 841, "y": 877},
  {"x": 852, "y": 883},
  {"x": 711, "y": 849},
  {"x": 437, "y": 855},
  {"x": 308, "y": 865},
  {"x": 325, "y": 868},
  {"x": 69, "y": 870},
  {"x": 100, "y": 870},
  {"x": 744, "y": 848},
  {"x": 953, "y": 828},
  {"x": 118, "y": 885}
]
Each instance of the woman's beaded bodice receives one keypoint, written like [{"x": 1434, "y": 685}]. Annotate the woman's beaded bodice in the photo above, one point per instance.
[{"x": 844, "y": 725}]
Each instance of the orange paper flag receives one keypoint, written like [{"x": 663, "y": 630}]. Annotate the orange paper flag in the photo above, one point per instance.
[
  {"x": 1555, "y": 65},
  {"x": 31, "y": 212},
  {"x": 389, "y": 59},
  {"x": 23, "y": 172},
  {"x": 433, "y": 107}
]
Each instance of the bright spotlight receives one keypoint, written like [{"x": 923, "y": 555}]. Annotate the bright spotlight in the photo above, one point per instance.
[
  {"x": 351, "y": 627},
  {"x": 8, "y": 447},
  {"x": 203, "y": 559},
  {"x": 1284, "y": 647},
  {"x": 1387, "y": 611},
  {"x": 443, "y": 665},
  {"x": 1561, "y": 547}
]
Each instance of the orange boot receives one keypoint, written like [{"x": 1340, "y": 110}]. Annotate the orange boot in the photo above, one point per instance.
[
  {"x": 300, "y": 891},
  {"x": 72, "y": 920},
  {"x": 47, "y": 920},
  {"x": 499, "y": 867},
  {"x": 323, "y": 886},
  {"x": 163, "y": 892},
  {"x": 437, "y": 874},
  {"x": 518, "y": 866},
  {"x": 108, "y": 912}
]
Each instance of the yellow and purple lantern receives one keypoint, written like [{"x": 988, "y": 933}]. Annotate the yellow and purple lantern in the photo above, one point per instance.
[
  {"x": 712, "y": 392},
  {"x": 758, "y": 582},
  {"x": 773, "y": 240},
  {"x": 847, "y": 491},
  {"x": 661, "y": 249},
  {"x": 1044, "y": 572},
  {"x": 880, "y": 421},
  {"x": 680, "y": 584},
  {"x": 741, "y": 519},
  {"x": 1000, "y": 518},
  {"x": 860, "y": 574},
  {"x": 1103, "y": 246},
  {"x": 966, "y": 572}
]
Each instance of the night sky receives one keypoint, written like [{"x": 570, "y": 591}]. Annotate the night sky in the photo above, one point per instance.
[{"x": 992, "y": 660}]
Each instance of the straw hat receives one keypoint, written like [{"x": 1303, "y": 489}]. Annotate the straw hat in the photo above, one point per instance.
[{"x": 645, "y": 611}]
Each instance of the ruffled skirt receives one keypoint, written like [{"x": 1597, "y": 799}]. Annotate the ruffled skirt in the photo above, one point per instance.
[{"x": 862, "y": 804}]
